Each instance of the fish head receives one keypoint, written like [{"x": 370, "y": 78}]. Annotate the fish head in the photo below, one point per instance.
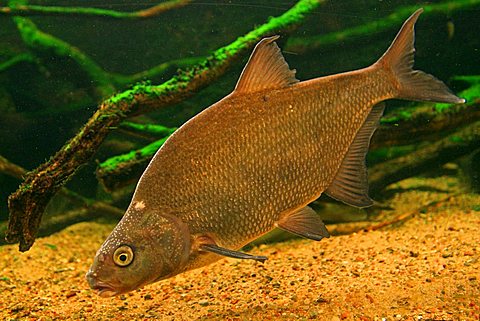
[{"x": 144, "y": 247}]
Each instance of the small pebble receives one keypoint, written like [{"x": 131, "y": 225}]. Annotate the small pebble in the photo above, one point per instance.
[
  {"x": 70, "y": 294},
  {"x": 203, "y": 303},
  {"x": 321, "y": 300}
]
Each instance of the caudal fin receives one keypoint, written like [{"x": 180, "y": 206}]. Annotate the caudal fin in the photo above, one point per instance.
[{"x": 413, "y": 84}]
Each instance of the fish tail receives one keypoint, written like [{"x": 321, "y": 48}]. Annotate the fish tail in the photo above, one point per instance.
[{"x": 413, "y": 84}]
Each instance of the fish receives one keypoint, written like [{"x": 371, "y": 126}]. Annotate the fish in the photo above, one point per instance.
[{"x": 254, "y": 160}]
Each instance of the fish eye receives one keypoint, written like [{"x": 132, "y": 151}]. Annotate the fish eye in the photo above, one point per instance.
[{"x": 123, "y": 255}]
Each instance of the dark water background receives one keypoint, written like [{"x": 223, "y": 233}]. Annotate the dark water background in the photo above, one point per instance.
[{"x": 41, "y": 108}]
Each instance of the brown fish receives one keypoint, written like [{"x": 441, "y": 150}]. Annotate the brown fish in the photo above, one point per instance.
[{"x": 254, "y": 161}]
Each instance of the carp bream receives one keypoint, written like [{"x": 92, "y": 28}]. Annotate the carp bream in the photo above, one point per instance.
[{"x": 254, "y": 161}]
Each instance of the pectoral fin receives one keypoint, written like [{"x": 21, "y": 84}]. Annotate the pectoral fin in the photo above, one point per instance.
[
  {"x": 231, "y": 253},
  {"x": 305, "y": 223}
]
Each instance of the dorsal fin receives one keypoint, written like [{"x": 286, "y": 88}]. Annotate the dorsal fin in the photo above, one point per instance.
[
  {"x": 265, "y": 69},
  {"x": 351, "y": 184}
]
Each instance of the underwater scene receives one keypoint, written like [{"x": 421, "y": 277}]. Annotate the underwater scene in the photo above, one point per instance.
[{"x": 240, "y": 160}]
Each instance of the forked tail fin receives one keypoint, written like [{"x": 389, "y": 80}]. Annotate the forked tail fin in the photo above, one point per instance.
[{"x": 413, "y": 84}]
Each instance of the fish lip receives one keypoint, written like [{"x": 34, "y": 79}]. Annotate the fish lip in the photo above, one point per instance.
[{"x": 104, "y": 290}]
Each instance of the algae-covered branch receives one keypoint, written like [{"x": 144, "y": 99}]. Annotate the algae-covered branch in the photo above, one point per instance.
[
  {"x": 59, "y": 74},
  {"x": 28, "y": 203}
]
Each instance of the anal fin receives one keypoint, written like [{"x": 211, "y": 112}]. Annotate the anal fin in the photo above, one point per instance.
[
  {"x": 350, "y": 185},
  {"x": 304, "y": 222}
]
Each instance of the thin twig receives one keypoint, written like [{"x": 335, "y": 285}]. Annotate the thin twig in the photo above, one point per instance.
[
  {"x": 36, "y": 10},
  {"x": 24, "y": 57},
  {"x": 123, "y": 80},
  {"x": 401, "y": 218},
  {"x": 11, "y": 169},
  {"x": 302, "y": 44},
  {"x": 104, "y": 82}
]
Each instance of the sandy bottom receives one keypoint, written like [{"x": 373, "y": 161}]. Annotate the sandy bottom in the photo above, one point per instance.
[{"x": 425, "y": 268}]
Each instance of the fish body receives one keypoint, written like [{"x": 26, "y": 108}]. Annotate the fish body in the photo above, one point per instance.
[
  {"x": 236, "y": 168},
  {"x": 253, "y": 161}
]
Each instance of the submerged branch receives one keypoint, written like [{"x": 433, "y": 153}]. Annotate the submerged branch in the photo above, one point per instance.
[
  {"x": 462, "y": 142},
  {"x": 156, "y": 130},
  {"x": 302, "y": 44},
  {"x": 124, "y": 169},
  {"x": 11, "y": 169},
  {"x": 40, "y": 41},
  {"x": 419, "y": 123},
  {"x": 28, "y": 203},
  {"x": 103, "y": 81},
  {"x": 87, "y": 208},
  {"x": 36, "y": 10},
  {"x": 16, "y": 171},
  {"x": 429, "y": 121},
  {"x": 123, "y": 80},
  {"x": 25, "y": 57}
]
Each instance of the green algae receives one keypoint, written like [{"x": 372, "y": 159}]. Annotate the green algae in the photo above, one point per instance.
[
  {"x": 25, "y": 57},
  {"x": 381, "y": 154},
  {"x": 51, "y": 246},
  {"x": 116, "y": 162},
  {"x": 471, "y": 94},
  {"x": 158, "y": 130},
  {"x": 399, "y": 116},
  {"x": 38, "y": 40},
  {"x": 456, "y": 139},
  {"x": 192, "y": 78}
]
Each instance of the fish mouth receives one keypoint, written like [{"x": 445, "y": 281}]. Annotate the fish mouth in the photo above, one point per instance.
[{"x": 104, "y": 290}]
